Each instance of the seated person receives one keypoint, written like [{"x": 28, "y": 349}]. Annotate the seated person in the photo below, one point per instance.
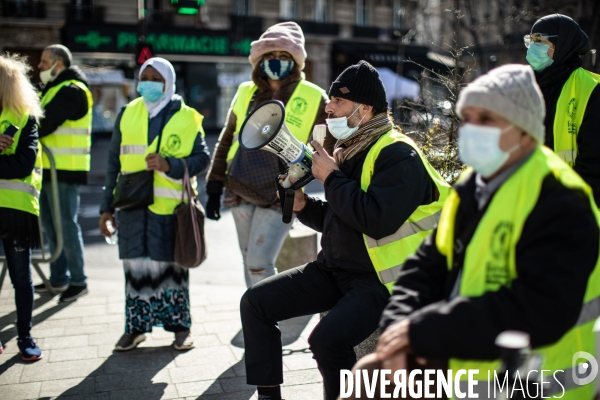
[
  {"x": 378, "y": 186},
  {"x": 516, "y": 249}
]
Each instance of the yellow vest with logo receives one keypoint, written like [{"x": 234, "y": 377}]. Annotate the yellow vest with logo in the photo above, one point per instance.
[
  {"x": 70, "y": 143},
  {"x": 177, "y": 140},
  {"x": 300, "y": 111},
  {"x": 20, "y": 194},
  {"x": 389, "y": 253},
  {"x": 570, "y": 110},
  {"x": 500, "y": 229}
]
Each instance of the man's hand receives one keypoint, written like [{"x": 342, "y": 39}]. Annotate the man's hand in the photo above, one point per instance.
[
  {"x": 156, "y": 162},
  {"x": 106, "y": 216},
  {"x": 395, "y": 362},
  {"x": 393, "y": 340},
  {"x": 323, "y": 163},
  {"x": 5, "y": 142}
]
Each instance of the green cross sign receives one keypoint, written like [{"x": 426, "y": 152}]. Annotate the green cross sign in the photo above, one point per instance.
[{"x": 93, "y": 39}]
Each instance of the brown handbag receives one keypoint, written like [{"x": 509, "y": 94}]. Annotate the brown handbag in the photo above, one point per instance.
[{"x": 190, "y": 244}]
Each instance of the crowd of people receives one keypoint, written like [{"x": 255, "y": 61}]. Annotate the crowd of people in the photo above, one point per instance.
[{"x": 514, "y": 244}]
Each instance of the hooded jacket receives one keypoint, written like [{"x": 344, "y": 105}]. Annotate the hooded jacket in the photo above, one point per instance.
[
  {"x": 570, "y": 44},
  {"x": 70, "y": 103}
]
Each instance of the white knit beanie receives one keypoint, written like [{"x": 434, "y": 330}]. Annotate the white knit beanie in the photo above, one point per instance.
[
  {"x": 511, "y": 92},
  {"x": 285, "y": 36}
]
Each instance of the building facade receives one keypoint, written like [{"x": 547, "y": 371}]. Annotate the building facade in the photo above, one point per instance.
[{"x": 209, "y": 48}]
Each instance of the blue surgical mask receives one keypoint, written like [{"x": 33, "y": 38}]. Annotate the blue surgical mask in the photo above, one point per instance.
[
  {"x": 339, "y": 126},
  {"x": 151, "y": 91},
  {"x": 537, "y": 56},
  {"x": 479, "y": 147},
  {"x": 277, "y": 69}
]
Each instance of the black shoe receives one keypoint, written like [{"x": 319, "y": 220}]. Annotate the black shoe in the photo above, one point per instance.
[
  {"x": 73, "y": 293},
  {"x": 41, "y": 288}
]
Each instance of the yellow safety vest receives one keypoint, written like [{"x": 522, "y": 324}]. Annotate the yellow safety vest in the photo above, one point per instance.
[
  {"x": 177, "y": 140},
  {"x": 300, "y": 111},
  {"x": 389, "y": 253},
  {"x": 20, "y": 194},
  {"x": 570, "y": 109},
  {"x": 500, "y": 229},
  {"x": 70, "y": 143}
]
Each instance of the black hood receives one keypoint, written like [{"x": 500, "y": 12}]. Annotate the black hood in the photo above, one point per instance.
[
  {"x": 71, "y": 73},
  {"x": 570, "y": 44}
]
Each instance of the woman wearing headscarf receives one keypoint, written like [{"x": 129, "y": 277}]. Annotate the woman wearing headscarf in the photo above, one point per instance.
[
  {"x": 250, "y": 177},
  {"x": 20, "y": 184},
  {"x": 156, "y": 287},
  {"x": 572, "y": 95}
]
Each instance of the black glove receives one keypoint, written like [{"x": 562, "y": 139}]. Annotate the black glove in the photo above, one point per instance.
[
  {"x": 214, "y": 189},
  {"x": 213, "y": 205}
]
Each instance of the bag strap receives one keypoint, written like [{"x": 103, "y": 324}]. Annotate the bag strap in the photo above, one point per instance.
[{"x": 187, "y": 183}]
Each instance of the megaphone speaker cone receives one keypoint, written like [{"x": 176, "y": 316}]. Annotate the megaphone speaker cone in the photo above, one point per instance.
[{"x": 262, "y": 125}]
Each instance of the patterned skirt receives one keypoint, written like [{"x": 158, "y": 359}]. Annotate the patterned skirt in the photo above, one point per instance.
[{"x": 157, "y": 294}]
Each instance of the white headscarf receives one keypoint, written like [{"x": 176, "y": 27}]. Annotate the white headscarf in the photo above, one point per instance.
[{"x": 168, "y": 73}]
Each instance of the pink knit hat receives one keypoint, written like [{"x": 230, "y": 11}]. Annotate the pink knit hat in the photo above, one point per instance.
[{"x": 285, "y": 36}]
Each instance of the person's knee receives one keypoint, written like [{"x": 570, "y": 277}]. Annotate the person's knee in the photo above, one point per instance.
[
  {"x": 249, "y": 304},
  {"x": 322, "y": 341}
]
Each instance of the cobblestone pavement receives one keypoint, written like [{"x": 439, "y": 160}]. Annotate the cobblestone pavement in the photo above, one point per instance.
[{"x": 78, "y": 338}]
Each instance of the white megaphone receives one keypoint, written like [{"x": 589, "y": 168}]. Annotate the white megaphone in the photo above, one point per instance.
[{"x": 265, "y": 129}]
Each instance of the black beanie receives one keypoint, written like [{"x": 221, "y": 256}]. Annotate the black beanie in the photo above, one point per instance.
[{"x": 360, "y": 83}]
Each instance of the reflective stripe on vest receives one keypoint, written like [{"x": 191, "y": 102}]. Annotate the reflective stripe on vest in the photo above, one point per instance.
[
  {"x": 177, "y": 140},
  {"x": 570, "y": 110},
  {"x": 70, "y": 143},
  {"x": 486, "y": 271},
  {"x": 20, "y": 194},
  {"x": 389, "y": 253},
  {"x": 300, "y": 110}
]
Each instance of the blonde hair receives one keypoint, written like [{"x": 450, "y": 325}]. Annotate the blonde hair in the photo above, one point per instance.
[{"x": 17, "y": 94}]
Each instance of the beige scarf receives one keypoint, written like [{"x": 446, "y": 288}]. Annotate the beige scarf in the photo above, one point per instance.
[{"x": 362, "y": 139}]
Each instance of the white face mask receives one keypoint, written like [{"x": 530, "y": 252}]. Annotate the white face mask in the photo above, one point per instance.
[
  {"x": 479, "y": 147},
  {"x": 339, "y": 126},
  {"x": 46, "y": 76}
]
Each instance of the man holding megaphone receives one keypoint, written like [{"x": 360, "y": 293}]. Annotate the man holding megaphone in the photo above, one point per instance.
[{"x": 383, "y": 198}]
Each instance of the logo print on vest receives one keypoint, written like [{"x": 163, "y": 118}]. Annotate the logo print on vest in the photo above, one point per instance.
[
  {"x": 496, "y": 273},
  {"x": 572, "y": 113},
  {"x": 173, "y": 144},
  {"x": 299, "y": 105}
]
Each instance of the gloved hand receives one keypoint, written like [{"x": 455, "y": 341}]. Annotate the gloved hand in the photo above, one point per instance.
[
  {"x": 213, "y": 206},
  {"x": 214, "y": 189}
]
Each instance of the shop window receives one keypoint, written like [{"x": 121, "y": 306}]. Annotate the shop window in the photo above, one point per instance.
[
  {"x": 363, "y": 12},
  {"x": 288, "y": 9},
  {"x": 322, "y": 10},
  {"x": 398, "y": 14},
  {"x": 242, "y": 7}
]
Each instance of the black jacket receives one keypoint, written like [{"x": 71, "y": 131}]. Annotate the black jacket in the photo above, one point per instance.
[
  {"x": 399, "y": 185},
  {"x": 555, "y": 256},
  {"x": 19, "y": 226},
  {"x": 571, "y": 44},
  {"x": 70, "y": 103}
]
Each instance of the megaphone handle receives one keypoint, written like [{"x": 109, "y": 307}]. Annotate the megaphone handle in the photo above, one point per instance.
[{"x": 287, "y": 205}]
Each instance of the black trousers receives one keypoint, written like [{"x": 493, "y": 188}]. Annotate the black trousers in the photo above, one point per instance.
[{"x": 356, "y": 302}]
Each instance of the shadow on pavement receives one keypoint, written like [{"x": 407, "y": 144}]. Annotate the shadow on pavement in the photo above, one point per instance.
[
  {"x": 291, "y": 329},
  {"x": 127, "y": 375},
  {"x": 11, "y": 318}
]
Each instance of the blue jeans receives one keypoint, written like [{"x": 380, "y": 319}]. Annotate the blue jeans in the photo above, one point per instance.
[
  {"x": 261, "y": 234},
  {"x": 18, "y": 261},
  {"x": 68, "y": 268}
]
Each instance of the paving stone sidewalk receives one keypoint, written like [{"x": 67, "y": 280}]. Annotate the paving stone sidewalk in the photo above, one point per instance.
[{"x": 78, "y": 339}]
